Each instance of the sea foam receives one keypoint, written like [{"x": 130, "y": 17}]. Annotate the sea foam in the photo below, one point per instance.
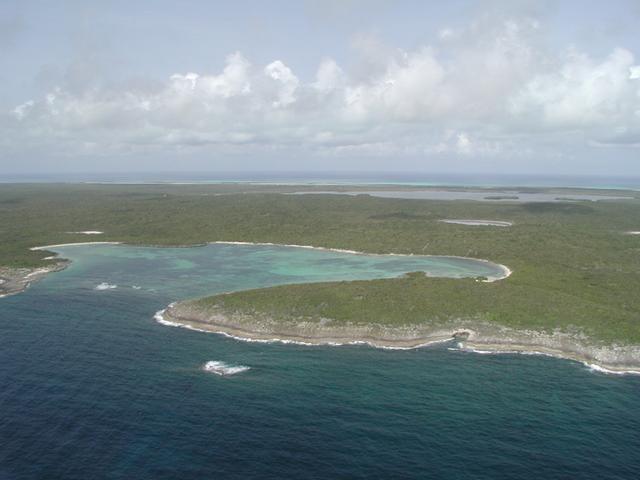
[
  {"x": 223, "y": 369},
  {"x": 597, "y": 368},
  {"x": 105, "y": 286},
  {"x": 593, "y": 367}
]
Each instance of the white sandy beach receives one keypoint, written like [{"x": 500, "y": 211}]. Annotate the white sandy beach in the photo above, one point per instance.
[
  {"x": 45, "y": 247},
  {"x": 507, "y": 271},
  {"x": 479, "y": 223}
]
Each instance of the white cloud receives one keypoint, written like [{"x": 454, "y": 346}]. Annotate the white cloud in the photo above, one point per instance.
[
  {"x": 471, "y": 93},
  {"x": 463, "y": 144},
  {"x": 329, "y": 76},
  {"x": 23, "y": 110},
  {"x": 582, "y": 93},
  {"x": 288, "y": 83}
]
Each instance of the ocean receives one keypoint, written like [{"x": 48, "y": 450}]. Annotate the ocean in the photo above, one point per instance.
[
  {"x": 92, "y": 387},
  {"x": 630, "y": 182}
]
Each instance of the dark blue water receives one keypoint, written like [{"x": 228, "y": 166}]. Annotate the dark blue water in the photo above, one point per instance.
[{"x": 91, "y": 387}]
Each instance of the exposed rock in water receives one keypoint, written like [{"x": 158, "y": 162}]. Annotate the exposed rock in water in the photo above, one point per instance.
[
  {"x": 470, "y": 334},
  {"x": 16, "y": 280}
]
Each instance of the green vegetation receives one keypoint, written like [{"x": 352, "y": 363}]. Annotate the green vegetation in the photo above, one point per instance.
[
  {"x": 572, "y": 263},
  {"x": 501, "y": 197}
]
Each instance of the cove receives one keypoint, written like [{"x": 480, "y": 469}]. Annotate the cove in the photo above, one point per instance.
[
  {"x": 93, "y": 387},
  {"x": 183, "y": 272}
]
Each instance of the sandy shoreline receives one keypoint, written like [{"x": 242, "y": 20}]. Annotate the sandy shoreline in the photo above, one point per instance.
[
  {"x": 469, "y": 336},
  {"x": 45, "y": 247},
  {"x": 477, "y": 223},
  {"x": 16, "y": 280},
  {"x": 506, "y": 270}
]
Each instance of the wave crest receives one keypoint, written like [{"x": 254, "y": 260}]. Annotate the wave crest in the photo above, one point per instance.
[{"x": 223, "y": 369}]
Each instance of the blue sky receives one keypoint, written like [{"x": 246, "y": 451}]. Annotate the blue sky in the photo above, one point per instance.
[{"x": 482, "y": 86}]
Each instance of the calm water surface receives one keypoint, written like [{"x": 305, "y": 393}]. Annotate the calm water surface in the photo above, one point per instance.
[
  {"x": 479, "y": 196},
  {"x": 92, "y": 387}
]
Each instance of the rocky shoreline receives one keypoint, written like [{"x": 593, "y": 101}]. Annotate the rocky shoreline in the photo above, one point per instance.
[
  {"x": 17, "y": 280},
  {"x": 470, "y": 335}
]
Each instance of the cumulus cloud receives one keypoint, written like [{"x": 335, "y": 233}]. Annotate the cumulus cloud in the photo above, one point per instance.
[
  {"x": 583, "y": 92},
  {"x": 472, "y": 92}
]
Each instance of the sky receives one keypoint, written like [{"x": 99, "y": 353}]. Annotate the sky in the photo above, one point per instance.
[{"x": 517, "y": 87}]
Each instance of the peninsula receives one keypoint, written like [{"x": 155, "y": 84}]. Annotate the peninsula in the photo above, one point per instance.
[{"x": 573, "y": 291}]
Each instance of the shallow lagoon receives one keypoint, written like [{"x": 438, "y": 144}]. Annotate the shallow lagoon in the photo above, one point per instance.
[
  {"x": 215, "y": 268},
  {"x": 480, "y": 196},
  {"x": 93, "y": 387}
]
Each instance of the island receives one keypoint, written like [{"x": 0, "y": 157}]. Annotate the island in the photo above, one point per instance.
[{"x": 572, "y": 293}]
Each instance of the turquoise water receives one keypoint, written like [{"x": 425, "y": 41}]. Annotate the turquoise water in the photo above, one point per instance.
[
  {"x": 176, "y": 273},
  {"x": 340, "y": 178},
  {"x": 92, "y": 387}
]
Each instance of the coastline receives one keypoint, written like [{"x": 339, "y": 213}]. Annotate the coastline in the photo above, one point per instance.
[
  {"x": 477, "y": 223},
  {"x": 469, "y": 336},
  {"x": 506, "y": 270},
  {"x": 45, "y": 247},
  {"x": 17, "y": 280}
]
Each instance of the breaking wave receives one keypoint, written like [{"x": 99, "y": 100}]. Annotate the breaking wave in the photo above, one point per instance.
[{"x": 223, "y": 369}]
